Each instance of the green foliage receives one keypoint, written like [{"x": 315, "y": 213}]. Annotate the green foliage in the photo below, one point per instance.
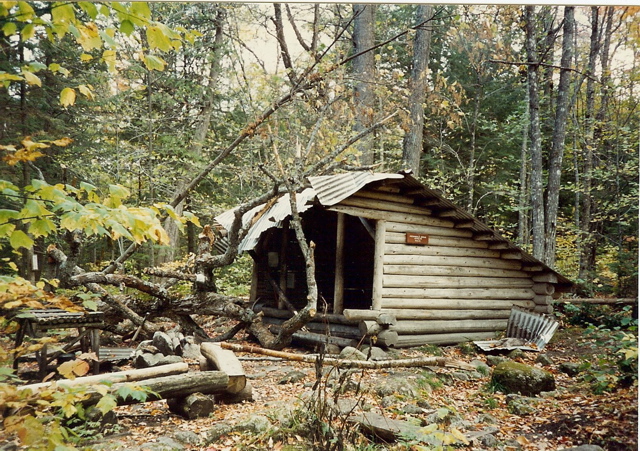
[
  {"x": 617, "y": 364},
  {"x": 429, "y": 379},
  {"x": 235, "y": 279},
  {"x": 467, "y": 348},
  {"x": 437, "y": 436},
  {"x": 606, "y": 316}
]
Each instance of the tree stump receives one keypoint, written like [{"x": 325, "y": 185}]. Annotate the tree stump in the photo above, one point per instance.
[{"x": 196, "y": 405}]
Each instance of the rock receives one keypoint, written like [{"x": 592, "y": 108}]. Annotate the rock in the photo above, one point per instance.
[
  {"x": 187, "y": 437},
  {"x": 544, "y": 359},
  {"x": 481, "y": 367},
  {"x": 163, "y": 444},
  {"x": 488, "y": 441},
  {"x": 256, "y": 424},
  {"x": 351, "y": 353},
  {"x": 346, "y": 406},
  {"x": 396, "y": 385},
  {"x": 292, "y": 377},
  {"x": 106, "y": 421},
  {"x": 424, "y": 403},
  {"x": 413, "y": 409},
  {"x": 570, "y": 369},
  {"x": 169, "y": 359},
  {"x": 521, "y": 405},
  {"x": 146, "y": 360},
  {"x": 147, "y": 346},
  {"x": 486, "y": 418},
  {"x": 217, "y": 431},
  {"x": 331, "y": 349},
  {"x": 495, "y": 360},
  {"x": 460, "y": 376},
  {"x": 376, "y": 353},
  {"x": 163, "y": 342},
  {"x": 388, "y": 401},
  {"x": 516, "y": 354},
  {"x": 513, "y": 377}
]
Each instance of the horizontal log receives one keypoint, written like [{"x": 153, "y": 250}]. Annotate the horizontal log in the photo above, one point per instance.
[
  {"x": 389, "y": 216},
  {"x": 429, "y": 230},
  {"x": 408, "y": 341},
  {"x": 386, "y": 319},
  {"x": 543, "y": 288},
  {"x": 401, "y": 280},
  {"x": 500, "y": 245},
  {"x": 424, "y": 314},
  {"x": 367, "y": 194},
  {"x": 448, "y": 326},
  {"x": 511, "y": 255},
  {"x": 447, "y": 304},
  {"x": 318, "y": 318},
  {"x": 337, "y": 330},
  {"x": 453, "y": 271},
  {"x": 446, "y": 251},
  {"x": 369, "y": 328},
  {"x": 546, "y": 277},
  {"x": 603, "y": 301},
  {"x": 451, "y": 261},
  {"x": 543, "y": 309},
  {"x": 120, "y": 376},
  {"x": 387, "y": 338},
  {"x": 384, "y": 205},
  {"x": 541, "y": 299},
  {"x": 435, "y": 240},
  {"x": 459, "y": 293}
]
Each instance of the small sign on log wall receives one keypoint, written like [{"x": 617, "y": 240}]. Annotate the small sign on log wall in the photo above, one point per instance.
[{"x": 421, "y": 239}]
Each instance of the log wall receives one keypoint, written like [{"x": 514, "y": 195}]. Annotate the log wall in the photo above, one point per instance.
[{"x": 459, "y": 286}]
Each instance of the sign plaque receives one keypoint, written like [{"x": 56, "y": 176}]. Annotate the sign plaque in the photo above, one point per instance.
[{"x": 420, "y": 239}]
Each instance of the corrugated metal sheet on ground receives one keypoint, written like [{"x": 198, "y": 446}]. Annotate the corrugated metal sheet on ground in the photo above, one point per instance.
[{"x": 526, "y": 330}]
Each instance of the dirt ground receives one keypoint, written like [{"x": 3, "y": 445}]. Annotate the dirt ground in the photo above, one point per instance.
[
  {"x": 574, "y": 415},
  {"x": 571, "y": 416}
]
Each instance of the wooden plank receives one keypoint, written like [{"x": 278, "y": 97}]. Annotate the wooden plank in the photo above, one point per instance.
[
  {"x": 338, "y": 283},
  {"x": 434, "y": 240},
  {"x": 409, "y": 327},
  {"x": 476, "y": 262},
  {"x": 459, "y": 293},
  {"x": 393, "y": 303},
  {"x": 383, "y": 205},
  {"x": 407, "y": 341},
  {"x": 391, "y": 216},
  {"x": 227, "y": 362},
  {"x": 403, "y": 227},
  {"x": 426, "y": 314},
  {"x": 414, "y": 281},
  {"x": 447, "y": 251},
  {"x": 378, "y": 265},
  {"x": 368, "y": 194},
  {"x": 457, "y": 271}
]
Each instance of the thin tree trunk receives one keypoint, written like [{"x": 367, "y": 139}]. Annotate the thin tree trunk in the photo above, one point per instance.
[
  {"x": 523, "y": 195},
  {"x": 364, "y": 73},
  {"x": 537, "y": 200},
  {"x": 412, "y": 143},
  {"x": 559, "y": 134}
]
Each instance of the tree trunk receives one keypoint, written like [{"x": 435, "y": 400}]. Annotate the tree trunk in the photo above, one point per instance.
[
  {"x": 523, "y": 193},
  {"x": 559, "y": 134},
  {"x": 364, "y": 75},
  {"x": 412, "y": 143},
  {"x": 537, "y": 200}
]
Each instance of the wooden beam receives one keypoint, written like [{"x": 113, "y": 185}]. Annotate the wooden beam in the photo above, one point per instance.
[
  {"x": 455, "y": 271},
  {"x": 227, "y": 362},
  {"x": 419, "y": 281},
  {"x": 475, "y": 262},
  {"x": 378, "y": 264},
  {"x": 407, "y": 341},
  {"x": 499, "y": 245},
  {"x": 403, "y": 227},
  {"x": 393, "y": 303},
  {"x": 546, "y": 277},
  {"x": 338, "y": 282},
  {"x": 464, "y": 224},
  {"x": 449, "y": 251},
  {"x": 424, "y": 294},
  {"x": 409, "y": 327},
  {"x": 435, "y": 240},
  {"x": 391, "y": 216},
  {"x": 511, "y": 255},
  {"x": 383, "y": 205},
  {"x": 384, "y": 196},
  {"x": 543, "y": 288},
  {"x": 484, "y": 236}
]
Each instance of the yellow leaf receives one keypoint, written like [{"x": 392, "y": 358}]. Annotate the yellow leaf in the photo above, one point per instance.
[
  {"x": 85, "y": 57},
  {"x": 86, "y": 91},
  {"x": 62, "y": 142},
  {"x": 67, "y": 97},
  {"x": 31, "y": 78}
]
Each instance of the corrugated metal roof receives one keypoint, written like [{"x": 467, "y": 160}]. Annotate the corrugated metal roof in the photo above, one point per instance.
[
  {"x": 266, "y": 219},
  {"x": 331, "y": 189}
]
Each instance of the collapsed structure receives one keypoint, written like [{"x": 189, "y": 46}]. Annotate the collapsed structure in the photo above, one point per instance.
[{"x": 394, "y": 258}]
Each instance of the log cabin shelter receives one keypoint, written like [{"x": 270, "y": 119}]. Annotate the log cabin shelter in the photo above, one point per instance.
[{"x": 387, "y": 247}]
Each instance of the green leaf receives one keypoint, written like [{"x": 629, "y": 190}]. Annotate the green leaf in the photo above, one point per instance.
[
  {"x": 63, "y": 13},
  {"x": 20, "y": 239},
  {"x": 28, "y": 32},
  {"x": 127, "y": 27},
  {"x": 140, "y": 10},
  {"x": 158, "y": 39},
  {"x": 133, "y": 391},
  {"x": 154, "y": 62},
  {"x": 25, "y": 12},
  {"x": 107, "y": 403},
  {"x": 67, "y": 97},
  {"x": 89, "y": 8},
  {"x": 31, "y": 431},
  {"x": 9, "y": 28},
  {"x": 42, "y": 227}
]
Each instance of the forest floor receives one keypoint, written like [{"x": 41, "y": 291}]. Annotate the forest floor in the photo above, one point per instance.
[{"x": 572, "y": 415}]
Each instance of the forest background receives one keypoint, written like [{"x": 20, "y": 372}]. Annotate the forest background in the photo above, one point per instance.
[{"x": 530, "y": 114}]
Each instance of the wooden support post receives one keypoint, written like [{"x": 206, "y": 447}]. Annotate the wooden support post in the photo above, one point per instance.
[
  {"x": 282, "y": 261},
  {"x": 338, "y": 284},
  {"x": 378, "y": 264}
]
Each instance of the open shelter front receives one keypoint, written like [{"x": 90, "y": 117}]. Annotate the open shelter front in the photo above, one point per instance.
[{"x": 393, "y": 258}]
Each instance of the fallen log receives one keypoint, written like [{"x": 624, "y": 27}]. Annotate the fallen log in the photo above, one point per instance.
[
  {"x": 196, "y": 405},
  {"x": 366, "y": 364},
  {"x": 226, "y": 361},
  {"x": 177, "y": 386},
  {"x": 603, "y": 301},
  {"x": 120, "y": 376}
]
